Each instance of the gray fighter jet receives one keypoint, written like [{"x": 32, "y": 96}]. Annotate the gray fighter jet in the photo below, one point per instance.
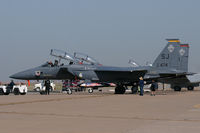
[{"x": 171, "y": 67}]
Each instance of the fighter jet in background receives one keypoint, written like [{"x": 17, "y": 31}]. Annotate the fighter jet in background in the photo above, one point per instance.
[{"x": 171, "y": 67}]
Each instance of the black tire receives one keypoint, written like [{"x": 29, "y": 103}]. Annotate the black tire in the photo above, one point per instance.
[
  {"x": 177, "y": 88},
  {"x": 90, "y": 90},
  {"x": 120, "y": 90},
  {"x": 69, "y": 91},
  {"x": 16, "y": 91},
  {"x": 1, "y": 91},
  {"x": 6, "y": 93},
  {"x": 190, "y": 88},
  {"x": 134, "y": 89},
  {"x": 117, "y": 90},
  {"x": 123, "y": 90},
  {"x": 42, "y": 93},
  {"x": 23, "y": 93}
]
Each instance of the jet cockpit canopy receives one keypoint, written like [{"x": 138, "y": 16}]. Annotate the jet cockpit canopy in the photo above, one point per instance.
[
  {"x": 62, "y": 55},
  {"x": 83, "y": 57},
  {"x": 76, "y": 58}
]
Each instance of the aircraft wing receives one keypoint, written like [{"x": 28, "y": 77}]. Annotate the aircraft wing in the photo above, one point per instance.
[
  {"x": 118, "y": 76},
  {"x": 169, "y": 77}
]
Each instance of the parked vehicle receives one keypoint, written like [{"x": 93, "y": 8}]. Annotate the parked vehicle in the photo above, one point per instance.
[
  {"x": 4, "y": 90},
  {"x": 20, "y": 89},
  {"x": 41, "y": 88}
]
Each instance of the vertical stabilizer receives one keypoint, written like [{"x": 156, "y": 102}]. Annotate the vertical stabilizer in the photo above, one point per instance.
[
  {"x": 184, "y": 57},
  {"x": 173, "y": 56}
]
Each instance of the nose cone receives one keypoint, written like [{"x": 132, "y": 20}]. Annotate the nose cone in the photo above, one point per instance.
[
  {"x": 17, "y": 76},
  {"x": 24, "y": 75}
]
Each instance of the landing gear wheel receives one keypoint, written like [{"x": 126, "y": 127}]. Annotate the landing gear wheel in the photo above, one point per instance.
[
  {"x": 16, "y": 91},
  {"x": 123, "y": 90},
  {"x": 23, "y": 93},
  {"x": 90, "y": 90},
  {"x": 134, "y": 89},
  {"x": 69, "y": 91},
  {"x": 190, "y": 88},
  {"x": 1, "y": 92},
  {"x": 117, "y": 90},
  {"x": 120, "y": 90},
  {"x": 177, "y": 88}
]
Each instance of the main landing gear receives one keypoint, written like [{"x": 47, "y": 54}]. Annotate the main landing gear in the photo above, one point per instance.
[
  {"x": 178, "y": 88},
  {"x": 134, "y": 89},
  {"x": 120, "y": 89},
  {"x": 190, "y": 88}
]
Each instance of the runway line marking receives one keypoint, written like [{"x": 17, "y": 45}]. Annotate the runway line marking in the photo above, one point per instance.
[{"x": 98, "y": 116}]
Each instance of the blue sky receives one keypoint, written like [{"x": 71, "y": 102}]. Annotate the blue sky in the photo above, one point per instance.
[{"x": 112, "y": 31}]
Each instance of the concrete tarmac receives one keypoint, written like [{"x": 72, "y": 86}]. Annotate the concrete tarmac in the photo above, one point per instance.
[{"x": 175, "y": 112}]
